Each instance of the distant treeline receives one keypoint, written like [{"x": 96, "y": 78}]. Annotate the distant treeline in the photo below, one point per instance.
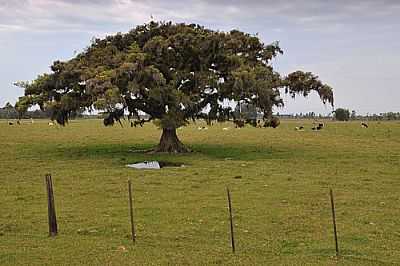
[
  {"x": 382, "y": 116},
  {"x": 352, "y": 116},
  {"x": 13, "y": 114},
  {"x": 9, "y": 112}
]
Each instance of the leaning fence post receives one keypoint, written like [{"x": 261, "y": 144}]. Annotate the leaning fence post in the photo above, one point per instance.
[
  {"x": 131, "y": 211},
  {"x": 334, "y": 222},
  {"x": 51, "y": 209},
  {"x": 231, "y": 220}
]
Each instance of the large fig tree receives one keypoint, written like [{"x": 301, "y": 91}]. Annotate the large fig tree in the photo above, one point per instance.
[{"x": 173, "y": 73}]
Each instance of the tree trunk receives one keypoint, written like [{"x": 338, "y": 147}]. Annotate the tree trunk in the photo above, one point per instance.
[
  {"x": 271, "y": 121},
  {"x": 268, "y": 115},
  {"x": 170, "y": 143}
]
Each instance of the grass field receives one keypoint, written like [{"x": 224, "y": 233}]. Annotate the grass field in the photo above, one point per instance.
[{"x": 279, "y": 181}]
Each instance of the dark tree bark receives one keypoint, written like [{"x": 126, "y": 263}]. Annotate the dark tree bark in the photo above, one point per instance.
[
  {"x": 270, "y": 120},
  {"x": 170, "y": 143},
  {"x": 268, "y": 114}
]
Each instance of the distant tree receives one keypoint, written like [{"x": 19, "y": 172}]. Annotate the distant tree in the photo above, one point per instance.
[
  {"x": 390, "y": 116},
  {"x": 8, "y": 111},
  {"x": 172, "y": 73},
  {"x": 22, "y": 106},
  {"x": 353, "y": 114},
  {"x": 342, "y": 114},
  {"x": 8, "y": 106},
  {"x": 311, "y": 114}
]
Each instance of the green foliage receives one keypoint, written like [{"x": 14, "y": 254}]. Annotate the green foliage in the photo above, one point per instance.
[
  {"x": 342, "y": 114},
  {"x": 303, "y": 83},
  {"x": 170, "y": 72},
  {"x": 390, "y": 116},
  {"x": 8, "y": 106}
]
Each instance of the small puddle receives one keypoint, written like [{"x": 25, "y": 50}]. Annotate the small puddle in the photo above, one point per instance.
[{"x": 154, "y": 165}]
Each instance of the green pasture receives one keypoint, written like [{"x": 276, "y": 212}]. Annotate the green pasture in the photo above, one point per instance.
[{"x": 279, "y": 181}]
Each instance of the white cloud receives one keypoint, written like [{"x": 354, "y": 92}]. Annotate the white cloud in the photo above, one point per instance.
[
  {"x": 75, "y": 15},
  {"x": 5, "y": 27}
]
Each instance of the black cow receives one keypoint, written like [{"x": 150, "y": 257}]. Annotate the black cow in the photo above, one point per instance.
[{"x": 319, "y": 127}]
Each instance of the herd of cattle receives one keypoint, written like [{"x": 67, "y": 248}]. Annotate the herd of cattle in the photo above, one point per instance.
[{"x": 316, "y": 126}]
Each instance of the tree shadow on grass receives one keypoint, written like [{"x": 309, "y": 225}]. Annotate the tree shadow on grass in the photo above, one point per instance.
[
  {"x": 245, "y": 152},
  {"x": 137, "y": 152}
]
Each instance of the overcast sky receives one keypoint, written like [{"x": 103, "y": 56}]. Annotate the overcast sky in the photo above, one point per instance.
[{"x": 354, "y": 46}]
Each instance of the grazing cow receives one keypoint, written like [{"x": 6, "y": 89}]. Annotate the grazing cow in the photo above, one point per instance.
[
  {"x": 202, "y": 128},
  {"x": 274, "y": 122},
  {"x": 319, "y": 127},
  {"x": 225, "y": 128},
  {"x": 364, "y": 125},
  {"x": 300, "y": 128},
  {"x": 10, "y": 123},
  {"x": 135, "y": 123},
  {"x": 239, "y": 123},
  {"x": 108, "y": 121}
]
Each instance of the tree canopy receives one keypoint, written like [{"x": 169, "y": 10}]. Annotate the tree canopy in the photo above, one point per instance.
[
  {"x": 342, "y": 114},
  {"x": 174, "y": 73}
]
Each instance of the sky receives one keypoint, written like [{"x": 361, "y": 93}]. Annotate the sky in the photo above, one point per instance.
[{"x": 353, "y": 46}]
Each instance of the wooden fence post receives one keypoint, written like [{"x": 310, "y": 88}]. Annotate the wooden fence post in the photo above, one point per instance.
[
  {"x": 334, "y": 223},
  {"x": 131, "y": 211},
  {"x": 231, "y": 220},
  {"x": 51, "y": 206}
]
